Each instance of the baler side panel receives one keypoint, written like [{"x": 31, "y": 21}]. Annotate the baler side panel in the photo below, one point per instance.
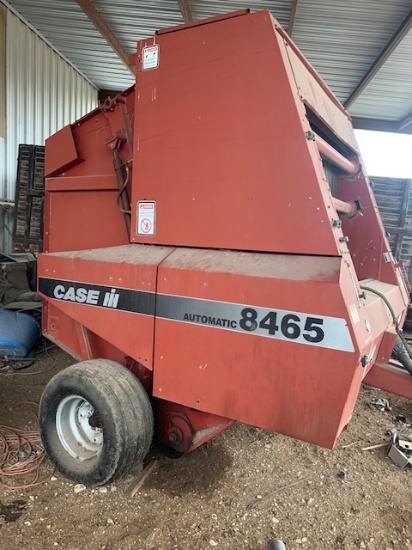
[
  {"x": 110, "y": 292},
  {"x": 280, "y": 383},
  {"x": 81, "y": 208},
  {"x": 62, "y": 152},
  {"x": 66, "y": 333},
  {"x": 236, "y": 169},
  {"x": 81, "y": 213}
]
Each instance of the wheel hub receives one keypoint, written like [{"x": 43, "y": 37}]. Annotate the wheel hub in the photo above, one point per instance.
[{"x": 79, "y": 428}]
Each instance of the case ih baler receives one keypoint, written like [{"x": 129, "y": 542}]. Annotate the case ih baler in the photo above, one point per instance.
[{"x": 212, "y": 230}]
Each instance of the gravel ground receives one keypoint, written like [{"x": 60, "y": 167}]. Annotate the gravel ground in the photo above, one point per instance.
[{"x": 238, "y": 491}]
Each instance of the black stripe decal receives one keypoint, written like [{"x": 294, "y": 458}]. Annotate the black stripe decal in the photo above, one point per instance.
[
  {"x": 110, "y": 297},
  {"x": 293, "y": 326}
]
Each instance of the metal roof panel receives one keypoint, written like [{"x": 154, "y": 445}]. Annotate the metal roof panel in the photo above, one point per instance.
[
  {"x": 340, "y": 39},
  {"x": 393, "y": 82}
]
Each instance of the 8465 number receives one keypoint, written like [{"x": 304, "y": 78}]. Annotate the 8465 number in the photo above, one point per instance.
[{"x": 291, "y": 325}]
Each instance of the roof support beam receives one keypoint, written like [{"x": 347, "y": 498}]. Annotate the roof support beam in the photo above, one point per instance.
[
  {"x": 404, "y": 123},
  {"x": 387, "y": 51},
  {"x": 184, "y": 6},
  {"x": 292, "y": 17},
  {"x": 105, "y": 30},
  {"x": 377, "y": 125}
]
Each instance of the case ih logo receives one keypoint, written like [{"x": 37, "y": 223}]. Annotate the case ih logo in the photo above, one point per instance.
[
  {"x": 83, "y": 295},
  {"x": 125, "y": 299}
]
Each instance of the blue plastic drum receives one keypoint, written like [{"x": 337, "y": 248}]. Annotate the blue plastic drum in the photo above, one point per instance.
[{"x": 18, "y": 333}]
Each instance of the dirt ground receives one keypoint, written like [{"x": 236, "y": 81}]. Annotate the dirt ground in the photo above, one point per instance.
[{"x": 241, "y": 489}]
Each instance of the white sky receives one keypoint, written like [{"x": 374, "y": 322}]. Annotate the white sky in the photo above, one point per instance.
[{"x": 385, "y": 154}]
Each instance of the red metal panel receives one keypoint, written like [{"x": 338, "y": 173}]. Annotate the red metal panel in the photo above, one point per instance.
[
  {"x": 301, "y": 390},
  {"x": 61, "y": 151},
  {"x": 131, "y": 268},
  {"x": 81, "y": 201},
  {"x": 63, "y": 331},
  {"x": 76, "y": 183},
  {"x": 83, "y": 219},
  {"x": 390, "y": 378},
  {"x": 220, "y": 144}
]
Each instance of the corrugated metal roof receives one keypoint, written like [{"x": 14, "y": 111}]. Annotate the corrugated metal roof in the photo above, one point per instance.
[
  {"x": 392, "y": 84},
  {"x": 280, "y": 9},
  {"x": 340, "y": 39},
  {"x": 132, "y": 21},
  {"x": 343, "y": 39}
]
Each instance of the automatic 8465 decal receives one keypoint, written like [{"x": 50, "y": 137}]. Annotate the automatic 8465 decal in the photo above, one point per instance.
[{"x": 292, "y": 326}]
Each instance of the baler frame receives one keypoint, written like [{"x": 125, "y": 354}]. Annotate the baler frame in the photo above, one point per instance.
[{"x": 219, "y": 250}]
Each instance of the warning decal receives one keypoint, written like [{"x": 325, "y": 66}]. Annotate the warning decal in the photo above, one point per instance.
[
  {"x": 150, "y": 57},
  {"x": 146, "y": 218}
]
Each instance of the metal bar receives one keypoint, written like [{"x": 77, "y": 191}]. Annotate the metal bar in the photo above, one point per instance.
[
  {"x": 405, "y": 232},
  {"x": 186, "y": 10},
  {"x": 360, "y": 123},
  {"x": 390, "y": 378},
  {"x": 328, "y": 152},
  {"x": 343, "y": 207},
  {"x": 84, "y": 342},
  {"x": 405, "y": 122},
  {"x": 104, "y": 30},
  {"x": 292, "y": 17},
  {"x": 390, "y": 47},
  {"x": 409, "y": 275}
]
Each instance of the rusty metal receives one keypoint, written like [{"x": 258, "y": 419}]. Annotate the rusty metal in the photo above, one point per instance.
[{"x": 348, "y": 208}]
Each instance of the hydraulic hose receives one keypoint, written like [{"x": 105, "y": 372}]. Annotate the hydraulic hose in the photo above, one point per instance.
[
  {"x": 401, "y": 350},
  {"x": 401, "y": 354}
]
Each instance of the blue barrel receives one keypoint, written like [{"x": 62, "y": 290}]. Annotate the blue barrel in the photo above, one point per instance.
[{"x": 18, "y": 333}]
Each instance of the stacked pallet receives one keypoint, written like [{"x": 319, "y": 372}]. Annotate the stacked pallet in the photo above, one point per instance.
[
  {"x": 393, "y": 196},
  {"x": 28, "y": 223}
]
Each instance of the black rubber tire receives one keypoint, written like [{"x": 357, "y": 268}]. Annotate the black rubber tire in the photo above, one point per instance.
[{"x": 124, "y": 411}]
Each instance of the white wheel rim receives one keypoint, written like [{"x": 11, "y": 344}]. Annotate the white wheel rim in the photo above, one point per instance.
[{"x": 74, "y": 422}]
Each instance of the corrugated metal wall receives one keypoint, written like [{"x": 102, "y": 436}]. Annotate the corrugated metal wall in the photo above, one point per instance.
[{"x": 43, "y": 94}]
